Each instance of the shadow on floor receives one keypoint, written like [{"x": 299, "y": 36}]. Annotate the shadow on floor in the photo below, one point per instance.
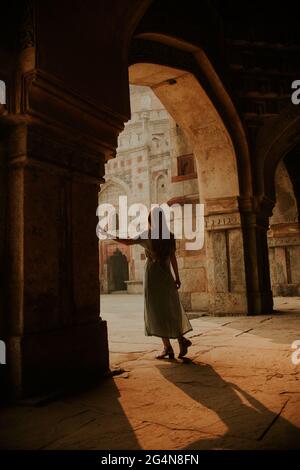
[
  {"x": 249, "y": 423},
  {"x": 86, "y": 420}
]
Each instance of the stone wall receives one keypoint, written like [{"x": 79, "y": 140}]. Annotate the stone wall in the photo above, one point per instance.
[{"x": 284, "y": 238}]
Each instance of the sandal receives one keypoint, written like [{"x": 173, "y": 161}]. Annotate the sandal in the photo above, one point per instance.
[
  {"x": 167, "y": 353},
  {"x": 184, "y": 344}
]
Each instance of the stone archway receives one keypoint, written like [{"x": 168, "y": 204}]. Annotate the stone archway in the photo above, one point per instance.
[
  {"x": 117, "y": 271},
  {"x": 275, "y": 141},
  {"x": 168, "y": 51},
  {"x": 284, "y": 237},
  {"x": 219, "y": 183}
]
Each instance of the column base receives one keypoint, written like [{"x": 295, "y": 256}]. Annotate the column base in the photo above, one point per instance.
[
  {"x": 227, "y": 304},
  {"x": 260, "y": 303},
  {"x": 45, "y": 362},
  {"x": 134, "y": 287},
  {"x": 286, "y": 290}
]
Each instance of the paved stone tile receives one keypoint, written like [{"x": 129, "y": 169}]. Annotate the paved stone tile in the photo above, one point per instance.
[{"x": 238, "y": 389}]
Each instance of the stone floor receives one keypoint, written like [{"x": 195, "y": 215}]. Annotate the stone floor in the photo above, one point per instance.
[{"x": 238, "y": 389}]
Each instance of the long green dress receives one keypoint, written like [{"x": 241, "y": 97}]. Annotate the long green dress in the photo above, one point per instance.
[{"x": 163, "y": 313}]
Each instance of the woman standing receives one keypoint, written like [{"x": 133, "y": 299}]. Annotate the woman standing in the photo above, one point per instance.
[{"x": 163, "y": 313}]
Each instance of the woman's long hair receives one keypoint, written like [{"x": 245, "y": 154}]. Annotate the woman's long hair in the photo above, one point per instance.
[{"x": 163, "y": 241}]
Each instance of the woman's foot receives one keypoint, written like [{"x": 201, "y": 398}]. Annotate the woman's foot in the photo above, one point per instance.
[
  {"x": 167, "y": 353},
  {"x": 184, "y": 344}
]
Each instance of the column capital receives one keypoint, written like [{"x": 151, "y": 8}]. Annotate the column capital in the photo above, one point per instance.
[{"x": 259, "y": 205}]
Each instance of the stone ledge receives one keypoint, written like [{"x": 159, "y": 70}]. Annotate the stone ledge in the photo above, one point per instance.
[{"x": 134, "y": 287}]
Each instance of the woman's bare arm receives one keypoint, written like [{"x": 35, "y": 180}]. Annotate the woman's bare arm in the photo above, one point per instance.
[
  {"x": 127, "y": 241},
  {"x": 124, "y": 241},
  {"x": 175, "y": 269}
]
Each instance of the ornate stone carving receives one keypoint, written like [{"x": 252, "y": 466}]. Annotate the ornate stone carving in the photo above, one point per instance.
[
  {"x": 223, "y": 222},
  {"x": 287, "y": 241}
]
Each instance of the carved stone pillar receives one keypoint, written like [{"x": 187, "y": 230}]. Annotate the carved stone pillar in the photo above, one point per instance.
[
  {"x": 56, "y": 143},
  {"x": 255, "y": 222},
  {"x": 284, "y": 253},
  {"x": 54, "y": 333},
  {"x": 227, "y": 290}
]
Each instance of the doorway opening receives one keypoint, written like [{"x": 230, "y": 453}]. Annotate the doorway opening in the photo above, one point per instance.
[{"x": 117, "y": 271}]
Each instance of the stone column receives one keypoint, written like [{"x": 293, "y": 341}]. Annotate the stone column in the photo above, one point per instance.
[
  {"x": 55, "y": 334},
  {"x": 56, "y": 144},
  {"x": 64, "y": 113},
  {"x": 255, "y": 214},
  {"x": 226, "y": 279}
]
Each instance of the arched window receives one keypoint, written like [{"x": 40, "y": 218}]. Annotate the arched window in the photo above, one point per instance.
[{"x": 2, "y": 92}]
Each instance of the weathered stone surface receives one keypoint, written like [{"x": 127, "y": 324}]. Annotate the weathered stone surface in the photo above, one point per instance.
[
  {"x": 294, "y": 256},
  {"x": 195, "y": 260},
  {"x": 193, "y": 281},
  {"x": 185, "y": 299},
  {"x": 199, "y": 301},
  {"x": 236, "y": 261},
  {"x": 220, "y": 261}
]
